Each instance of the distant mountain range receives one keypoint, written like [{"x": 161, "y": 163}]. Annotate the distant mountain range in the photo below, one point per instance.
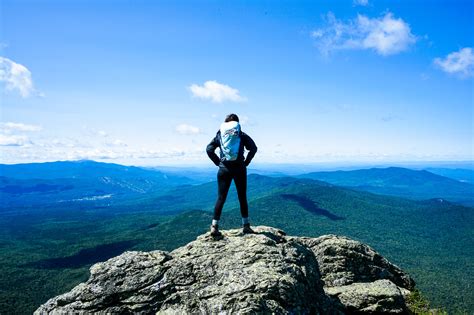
[
  {"x": 39, "y": 183},
  {"x": 403, "y": 182},
  {"x": 460, "y": 174},
  {"x": 77, "y": 181}
]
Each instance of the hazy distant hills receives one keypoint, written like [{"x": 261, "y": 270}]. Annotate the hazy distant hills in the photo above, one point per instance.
[
  {"x": 39, "y": 183},
  {"x": 203, "y": 196},
  {"x": 401, "y": 182},
  {"x": 85, "y": 169},
  {"x": 89, "y": 181},
  {"x": 460, "y": 174}
]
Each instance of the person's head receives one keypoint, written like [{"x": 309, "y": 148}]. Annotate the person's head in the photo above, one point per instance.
[{"x": 231, "y": 117}]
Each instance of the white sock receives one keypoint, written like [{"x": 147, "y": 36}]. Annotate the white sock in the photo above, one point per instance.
[
  {"x": 215, "y": 222},
  {"x": 245, "y": 220}
]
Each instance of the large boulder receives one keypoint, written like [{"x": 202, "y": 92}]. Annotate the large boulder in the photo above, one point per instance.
[
  {"x": 378, "y": 297},
  {"x": 265, "y": 272},
  {"x": 344, "y": 261}
]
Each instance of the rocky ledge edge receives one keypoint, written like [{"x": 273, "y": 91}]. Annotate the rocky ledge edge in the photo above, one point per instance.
[{"x": 265, "y": 272}]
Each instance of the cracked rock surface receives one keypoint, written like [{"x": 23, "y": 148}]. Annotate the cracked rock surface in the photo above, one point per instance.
[{"x": 265, "y": 272}]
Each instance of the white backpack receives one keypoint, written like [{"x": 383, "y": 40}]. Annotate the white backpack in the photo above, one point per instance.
[{"x": 230, "y": 140}]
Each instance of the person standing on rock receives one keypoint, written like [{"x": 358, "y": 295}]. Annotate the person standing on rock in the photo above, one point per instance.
[{"x": 232, "y": 166}]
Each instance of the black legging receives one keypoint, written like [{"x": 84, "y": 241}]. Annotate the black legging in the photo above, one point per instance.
[{"x": 238, "y": 173}]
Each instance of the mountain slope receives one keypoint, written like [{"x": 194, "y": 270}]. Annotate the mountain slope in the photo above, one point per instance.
[
  {"x": 459, "y": 174},
  {"x": 401, "y": 182},
  {"x": 39, "y": 183},
  {"x": 73, "y": 169}
]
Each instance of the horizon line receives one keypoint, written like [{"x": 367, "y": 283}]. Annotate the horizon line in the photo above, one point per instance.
[{"x": 262, "y": 164}]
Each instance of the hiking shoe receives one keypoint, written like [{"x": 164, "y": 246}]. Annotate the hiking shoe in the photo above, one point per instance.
[
  {"x": 247, "y": 229},
  {"x": 215, "y": 231}
]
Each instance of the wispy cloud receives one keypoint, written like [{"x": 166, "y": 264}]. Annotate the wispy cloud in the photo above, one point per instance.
[
  {"x": 94, "y": 132},
  {"x": 102, "y": 133},
  {"x": 9, "y": 133},
  {"x": 216, "y": 92},
  {"x": 23, "y": 146},
  {"x": 185, "y": 129},
  {"x": 14, "y": 140},
  {"x": 424, "y": 76},
  {"x": 385, "y": 35},
  {"x": 361, "y": 2},
  {"x": 390, "y": 118},
  {"x": 244, "y": 120},
  {"x": 247, "y": 122},
  {"x": 8, "y": 127},
  {"x": 459, "y": 62},
  {"x": 16, "y": 77},
  {"x": 116, "y": 143},
  {"x": 17, "y": 152},
  {"x": 69, "y": 143}
]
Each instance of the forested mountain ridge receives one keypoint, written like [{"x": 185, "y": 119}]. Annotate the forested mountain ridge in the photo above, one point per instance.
[{"x": 398, "y": 181}]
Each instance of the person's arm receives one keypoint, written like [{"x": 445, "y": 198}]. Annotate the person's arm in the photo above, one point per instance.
[
  {"x": 211, "y": 148},
  {"x": 251, "y": 147}
]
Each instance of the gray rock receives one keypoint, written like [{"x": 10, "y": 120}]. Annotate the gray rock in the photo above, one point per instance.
[
  {"x": 343, "y": 261},
  {"x": 380, "y": 296},
  {"x": 129, "y": 283},
  {"x": 266, "y": 272}
]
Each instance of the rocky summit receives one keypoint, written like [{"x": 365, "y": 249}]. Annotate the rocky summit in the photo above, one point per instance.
[{"x": 265, "y": 272}]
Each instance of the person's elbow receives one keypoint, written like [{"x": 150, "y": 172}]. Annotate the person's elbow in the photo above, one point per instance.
[{"x": 210, "y": 149}]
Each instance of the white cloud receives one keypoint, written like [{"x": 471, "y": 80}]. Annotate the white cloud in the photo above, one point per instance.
[
  {"x": 19, "y": 147},
  {"x": 216, "y": 92},
  {"x": 13, "y": 140},
  {"x": 9, "y": 138},
  {"x": 94, "y": 132},
  {"x": 33, "y": 153},
  {"x": 459, "y": 62},
  {"x": 153, "y": 154},
  {"x": 16, "y": 77},
  {"x": 386, "y": 35},
  {"x": 58, "y": 143},
  {"x": 116, "y": 143},
  {"x": 244, "y": 120},
  {"x": 8, "y": 127},
  {"x": 361, "y": 2},
  {"x": 185, "y": 129},
  {"x": 102, "y": 133}
]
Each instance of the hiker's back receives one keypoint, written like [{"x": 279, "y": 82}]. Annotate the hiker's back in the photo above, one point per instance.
[{"x": 230, "y": 140}]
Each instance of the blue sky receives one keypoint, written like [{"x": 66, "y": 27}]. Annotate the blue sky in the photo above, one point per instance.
[{"x": 149, "y": 82}]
